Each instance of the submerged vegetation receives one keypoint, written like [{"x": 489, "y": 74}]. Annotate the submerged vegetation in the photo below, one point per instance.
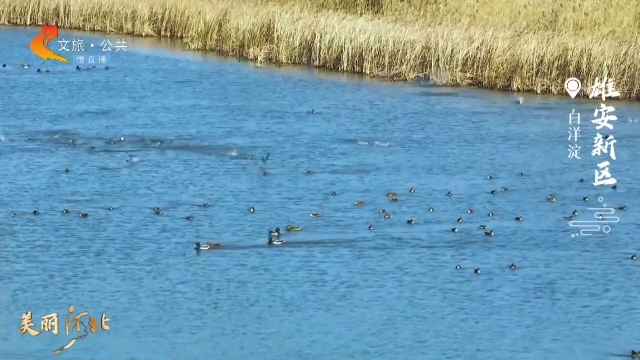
[{"x": 517, "y": 45}]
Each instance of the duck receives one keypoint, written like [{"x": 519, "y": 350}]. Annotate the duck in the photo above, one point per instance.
[
  {"x": 581, "y": 180},
  {"x": 333, "y": 193},
  {"x": 477, "y": 271},
  {"x": 206, "y": 205},
  {"x": 313, "y": 111},
  {"x": 208, "y": 245},
  {"x": 110, "y": 208},
  {"x": 14, "y": 214},
  {"x": 370, "y": 227},
  {"x": 455, "y": 229},
  {"x": 489, "y": 233},
  {"x": 635, "y": 354},
  {"x": 157, "y": 211},
  {"x": 314, "y": 215},
  {"x": 42, "y": 71},
  {"x": 291, "y": 228},
  {"x": 492, "y": 214},
  {"x": 412, "y": 190},
  {"x": 623, "y": 207},
  {"x": 493, "y": 192},
  {"x": 36, "y": 212},
  {"x": 4, "y": 65},
  {"x": 359, "y": 203},
  {"x": 189, "y": 217},
  {"x": 449, "y": 193},
  {"x": 504, "y": 188},
  {"x": 273, "y": 241},
  {"x": 393, "y": 199},
  {"x": 106, "y": 68},
  {"x": 513, "y": 266},
  {"x": 458, "y": 267},
  {"x": 307, "y": 172},
  {"x": 25, "y": 66},
  {"x": 387, "y": 216},
  {"x": 615, "y": 187},
  {"x": 490, "y": 177},
  {"x": 66, "y": 171},
  {"x": 520, "y": 174},
  {"x": 78, "y": 67},
  {"x": 483, "y": 227},
  {"x": 469, "y": 211},
  {"x": 634, "y": 257},
  {"x": 551, "y": 198},
  {"x": 391, "y": 194},
  {"x": 431, "y": 209},
  {"x": 382, "y": 211},
  {"x": 600, "y": 217},
  {"x": 84, "y": 215},
  {"x": 519, "y": 218},
  {"x": 586, "y": 198},
  {"x": 252, "y": 209},
  {"x": 275, "y": 233},
  {"x": 459, "y": 220},
  {"x": 575, "y": 213},
  {"x": 411, "y": 221},
  {"x": 65, "y": 211}
]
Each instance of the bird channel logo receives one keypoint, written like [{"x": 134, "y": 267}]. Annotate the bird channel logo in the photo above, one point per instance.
[
  {"x": 40, "y": 44},
  {"x": 604, "y": 217}
]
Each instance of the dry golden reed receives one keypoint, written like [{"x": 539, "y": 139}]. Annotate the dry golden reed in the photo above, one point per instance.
[{"x": 517, "y": 45}]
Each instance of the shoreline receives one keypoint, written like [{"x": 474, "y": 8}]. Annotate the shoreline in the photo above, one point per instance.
[{"x": 392, "y": 47}]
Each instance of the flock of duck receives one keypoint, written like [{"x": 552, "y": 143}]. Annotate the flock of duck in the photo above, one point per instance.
[{"x": 92, "y": 67}]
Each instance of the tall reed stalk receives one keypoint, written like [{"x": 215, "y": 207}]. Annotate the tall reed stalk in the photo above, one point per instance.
[{"x": 517, "y": 45}]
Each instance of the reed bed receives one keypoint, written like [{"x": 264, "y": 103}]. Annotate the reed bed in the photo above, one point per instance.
[{"x": 516, "y": 45}]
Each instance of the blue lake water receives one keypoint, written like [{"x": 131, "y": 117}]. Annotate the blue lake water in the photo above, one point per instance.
[{"x": 197, "y": 127}]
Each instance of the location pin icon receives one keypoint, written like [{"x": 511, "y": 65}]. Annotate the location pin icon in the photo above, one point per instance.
[{"x": 573, "y": 86}]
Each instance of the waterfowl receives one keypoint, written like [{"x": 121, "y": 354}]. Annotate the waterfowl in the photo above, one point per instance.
[
  {"x": 207, "y": 205},
  {"x": 477, "y": 271},
  {"x": 469, "y": 211},
  {"x": 274, "y": 233},
  {"x": 208, "y": 245},
  {"x": 313, "y": 111},
  {"x": 359, "y": 203},
  {"x": 42, "y": 71},
  {"x": 431, "y": 209},
  {"x": 252, "y": 209},
  {"x": 575, "y": 213},
  {"x": 458, "y": 267},
  {"x": 489, "y": 233},
  {"x": 635, "y": 354},
  {"x": 67, "y": 170},
  {"x": 4, "y": 65},
  {"x": 14, "y": 214},
  {"x": 482, "y": 227},
  {"x": 333, "y": 193},
  {"x": 614, "y": 187},
  {"x": 78, "y": 67},
  {"x": 110, "y": 208},
  {"x": 157, "y": 211},
  {"x": 36, "y": 212},
  {"x": 634, "y": 257},
  {"x": 382, "y": 211},
  {"x": 449, "y": 193},
  {"x": 273, "y": 241},
  {"x": 189, "y": 217},
  {"x": 504, "y": 188},
  {"x": 492, "y": 192},
  {"x": 570, "y": 217},
  {"x": 586, "y": 198},
  {"x": 489, "y": 177},
  {"x": 84, "y": 215},
  {"x": 393, "y": 199},
  {"x": 25, "y": 66},
  {"x": 581, "y": 180},
  {"x": 307, "y": 172},
  {"x": 391, "y": 194},
  {"x": 455, "y": 229},
  {"x": 387, "y": 216},
  {"x": 551, "y": 198},
  {"x": 411, "y": 221},
  {"x": 519, "y": 218},
  {"x": 492, "y": 214},
  {"x": 156, "y": 208},
  {"x": 623, "y": 207},
  {"x": 600, "y": 217},
  {"x": 412, "y": 190},
  {"x": 520, "y": 174},
  {"x": 314, "y": 215},
  {"x": 370, "y": 227},
  {"x": 512, "y": 266},
  {"x": 459, "y": 220},
  {"x": 106, "y": 68},
  {"x": 291, "y": 228},
  {"x": 65, "y": 211}
]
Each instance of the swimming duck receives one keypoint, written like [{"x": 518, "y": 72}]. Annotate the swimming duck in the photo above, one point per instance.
[
  {"x": 504, "y": 188},
  {"x": 36, "y": 212},
  {"x": 459, "y": 220},
  {"x": 581, "y": 180},
  {"x": 189, "y": 217},
  {"x": 14, "y": 214},
  {"x": 412, "y": 190},
  {"x": 78, "y": 67},
  {"x": 575, "y": 213},
  {"x": 393, "y": 199},
  {"x": 391, "y": 194},
  {"x": 489, "y": 177},
  {"x": 24, "y": 66},
  {"x": 110, "y": 208},
  {"x": 586, "y": 198},
  {"x": 42, "y": 71},
  {"x": 615, "y": 187},
  {"x": 4, "y": 65},
  {"x": 106, "y": 68},
  {"x": 314, "y": 215},
  {"x": 520, "y": 174},
  {"x": 512, "y": 266},
  {"x": 492, "y": 214},
  {"x": 157, "y": 211},
  {"x": 455, "y": 229},
  {"x": 600, "y": 217},
  {"x": 273, "y": 241},
  {"x": 634, "y": 257},
  {"x": 484, "y": 227},
  {"x": 458, "y": 267},
  {"x": 307, "y": 172},
  {"x": 370, "y": 227},
  {"x": 492, "y": 192},
  {"x": 635, "y": 354},
  {"x": 333, "y": 193},
  {"x": 359, "y": 203},
  {"x": 252, "y": 209},
  {"x": 411, "y": 221},
  {"x": 519, "y": 218},
  {"x": 291, "y": 228},
  {"x": 382, "y": 211},
  {"x": 489, "y": 233},
  {"x": 313, "y": 111},
  {"x": 431, "y": 209},
  {"x": 208, "y": 245},
  {"x": 84, "y": 215},
  {"x": 65, "y": 211},
  {"x": 387, "y": 216},
  {"x": 477, "y": 271},
  {"x": 67, "y": 170},
  {"x": 551, "y": 198},
  {"x": 206, "y": 205},
  {"x": 275, "y": 233},
  {"x": 623, "y": 207},
  {"x": 469, "y": 211},
  {"x": 449, "y": 193}
]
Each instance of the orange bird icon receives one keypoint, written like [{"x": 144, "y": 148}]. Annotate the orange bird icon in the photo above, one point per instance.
[{"x": 39, "y": 43}]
